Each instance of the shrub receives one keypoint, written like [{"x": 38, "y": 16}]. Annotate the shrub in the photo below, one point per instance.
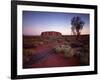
[
  {"x": 27, "y": 53},
  {"x": 66, "y": 49}
]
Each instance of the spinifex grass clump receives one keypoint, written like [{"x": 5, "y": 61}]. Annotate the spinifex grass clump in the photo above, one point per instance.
[
  {"x": 27, "y": 53},
  {"x": 66, "y": 49}
]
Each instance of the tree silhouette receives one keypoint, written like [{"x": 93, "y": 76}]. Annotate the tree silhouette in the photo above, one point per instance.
[{"x": 77, "y": 25}]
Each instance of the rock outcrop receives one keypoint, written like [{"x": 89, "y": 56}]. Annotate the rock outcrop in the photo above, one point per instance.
[{"x": 51, "y": 33}]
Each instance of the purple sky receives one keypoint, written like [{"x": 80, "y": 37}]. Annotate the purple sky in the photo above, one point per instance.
[{"x": 36, "y": 22}]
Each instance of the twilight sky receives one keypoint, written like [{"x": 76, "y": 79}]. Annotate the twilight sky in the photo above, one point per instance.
[{"x": 36, "y": 22}]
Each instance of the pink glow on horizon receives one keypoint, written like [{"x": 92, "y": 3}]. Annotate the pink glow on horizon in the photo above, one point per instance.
[{"x": 37, "y": 31}]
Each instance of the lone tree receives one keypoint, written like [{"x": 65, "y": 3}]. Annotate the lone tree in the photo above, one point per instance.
[{"x": 77, "y": 25}]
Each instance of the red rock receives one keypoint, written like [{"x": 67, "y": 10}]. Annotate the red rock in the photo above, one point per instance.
[{"x": 50, "y": 33}]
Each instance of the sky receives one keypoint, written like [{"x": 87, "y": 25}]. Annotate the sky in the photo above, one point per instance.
[{"x": 35, "y": 22}]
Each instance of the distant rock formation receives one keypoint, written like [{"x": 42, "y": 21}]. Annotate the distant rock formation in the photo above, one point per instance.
[{"x": 51, "y": 33}]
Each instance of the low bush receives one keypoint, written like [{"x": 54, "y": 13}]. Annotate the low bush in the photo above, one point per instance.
[
  {"x": 27, "y": 53},
  {"x": 66, "y": 49}
]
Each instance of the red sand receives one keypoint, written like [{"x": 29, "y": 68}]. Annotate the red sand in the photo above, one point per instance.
[{"x": 55, "y": 60}]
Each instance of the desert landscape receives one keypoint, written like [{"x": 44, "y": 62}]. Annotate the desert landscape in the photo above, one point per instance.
[
  {"x": 55, "y": 39},
  {"x": 48, "y": 50}
]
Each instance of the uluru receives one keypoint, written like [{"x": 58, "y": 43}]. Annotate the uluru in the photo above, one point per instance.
[{"x": 51, "y": 33}]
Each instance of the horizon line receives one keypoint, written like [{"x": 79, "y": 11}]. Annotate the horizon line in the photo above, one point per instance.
[{"x": 61, "y": 35}]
